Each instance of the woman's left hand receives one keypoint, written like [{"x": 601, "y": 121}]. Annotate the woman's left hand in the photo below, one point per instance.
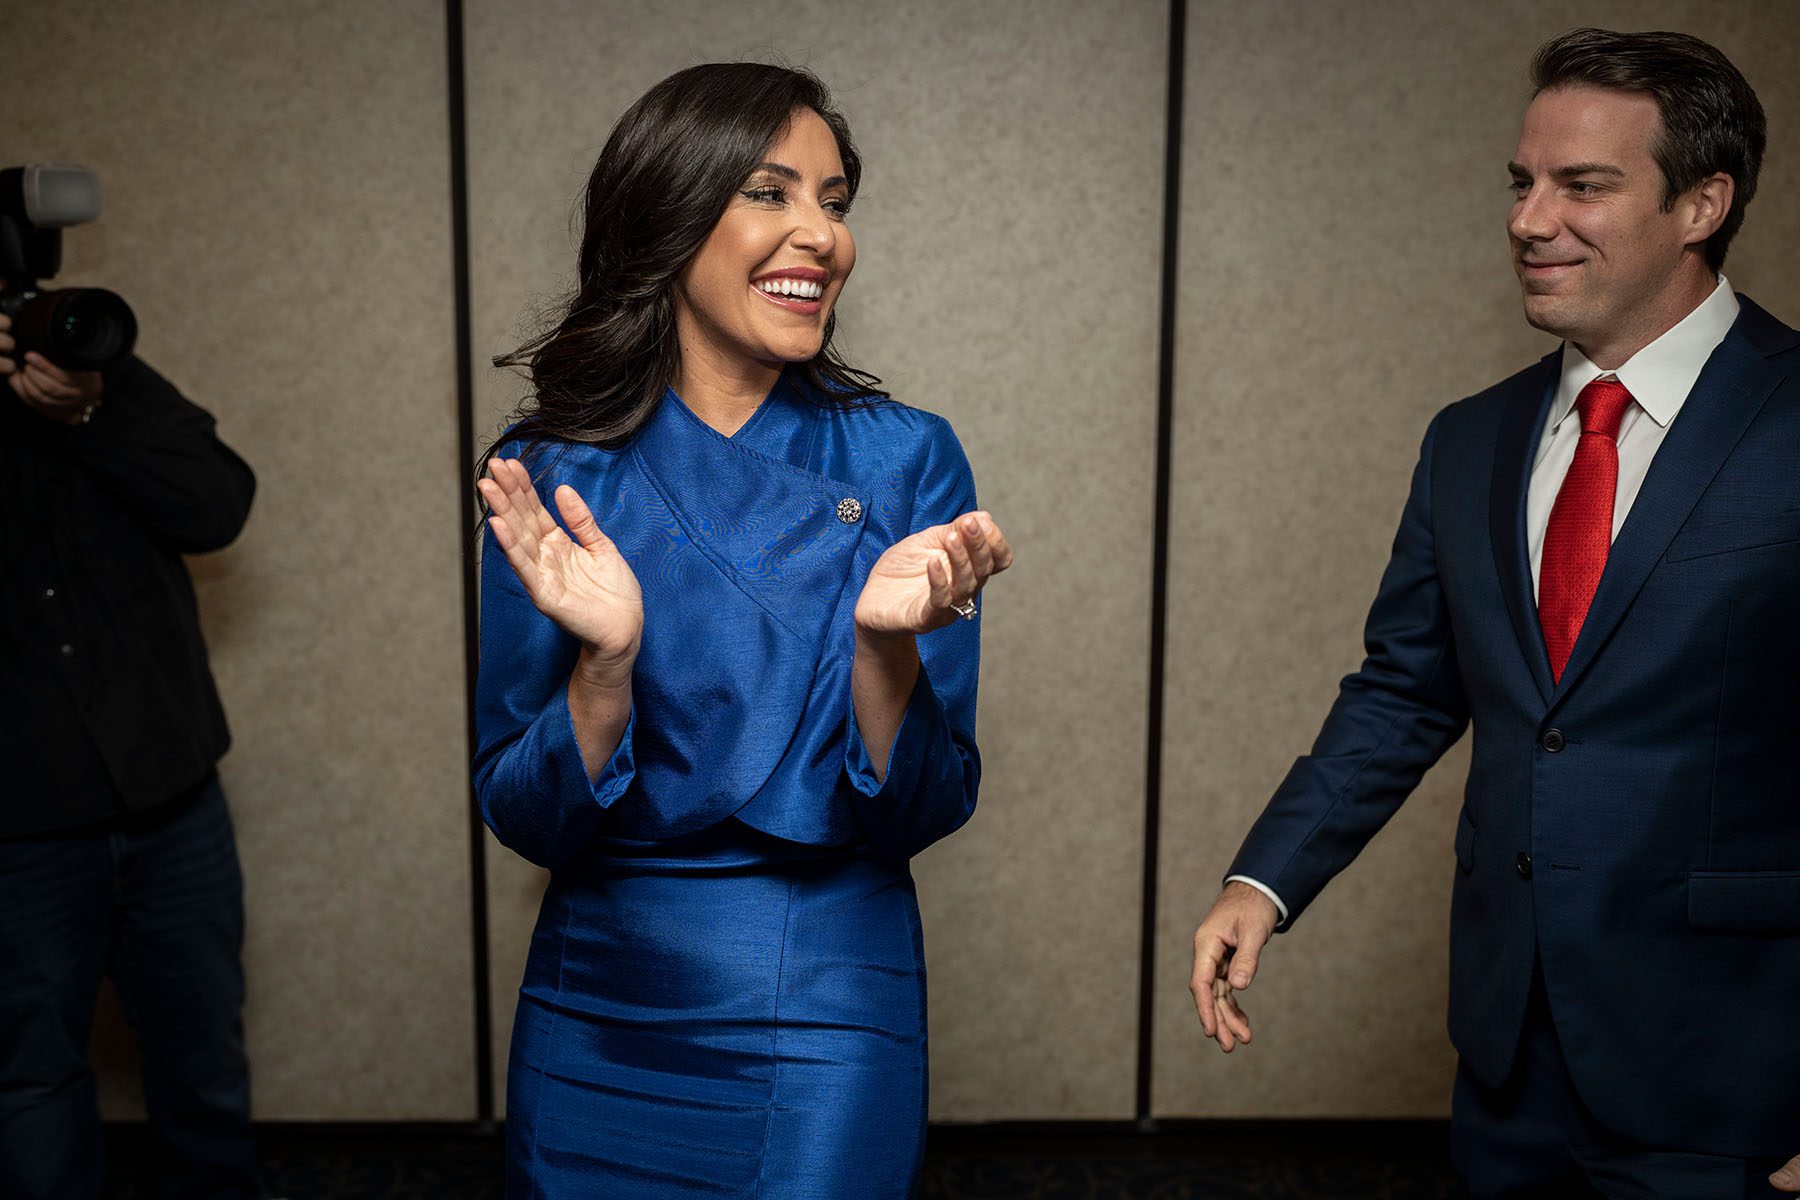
[{"x": 915, "y": 586}]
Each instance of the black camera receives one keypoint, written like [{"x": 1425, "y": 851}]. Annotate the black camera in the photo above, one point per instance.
[{"x": 78, "y": 329}]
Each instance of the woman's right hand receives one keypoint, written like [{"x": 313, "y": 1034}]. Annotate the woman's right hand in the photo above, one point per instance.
[{"x": 581, "y": 582}]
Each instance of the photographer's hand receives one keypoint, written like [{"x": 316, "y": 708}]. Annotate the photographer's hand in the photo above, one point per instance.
[{"x": 66, "y": 397}]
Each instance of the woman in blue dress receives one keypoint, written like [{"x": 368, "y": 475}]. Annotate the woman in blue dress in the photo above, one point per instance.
[{"x": 732, "y": 692}]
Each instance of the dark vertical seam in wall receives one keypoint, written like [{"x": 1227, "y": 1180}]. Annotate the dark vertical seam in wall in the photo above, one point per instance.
[
  {"x": 465, "y": 461},
  {"x": 1159, "y": 571}
]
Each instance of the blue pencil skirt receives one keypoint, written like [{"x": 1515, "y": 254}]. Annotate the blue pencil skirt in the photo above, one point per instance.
[{"x": 725, "y": 1015}]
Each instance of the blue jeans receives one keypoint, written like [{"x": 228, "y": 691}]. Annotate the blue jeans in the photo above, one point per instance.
[{"x": 158, "y": 905}]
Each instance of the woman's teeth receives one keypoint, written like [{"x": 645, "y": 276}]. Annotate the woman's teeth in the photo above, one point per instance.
[{"x": 799, "y": 289}]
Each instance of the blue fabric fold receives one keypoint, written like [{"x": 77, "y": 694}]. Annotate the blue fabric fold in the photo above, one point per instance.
[{"x": 927, "y": 790}]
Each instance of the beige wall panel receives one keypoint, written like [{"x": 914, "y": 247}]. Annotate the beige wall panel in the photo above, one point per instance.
[
  {"x": 1009, "y": 245},
  {"x": 1345, "y": 275},
  {"x": 276, "y": 179}
]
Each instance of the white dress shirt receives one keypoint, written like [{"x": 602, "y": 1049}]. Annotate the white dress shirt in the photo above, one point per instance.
[{"x": 1659, "y": 378}]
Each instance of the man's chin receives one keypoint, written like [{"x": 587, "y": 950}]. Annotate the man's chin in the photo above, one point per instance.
[{"x": 1548, "y": 313}]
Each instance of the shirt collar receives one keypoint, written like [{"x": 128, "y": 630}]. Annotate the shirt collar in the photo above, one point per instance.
[{"x": 1660, "y": 376}]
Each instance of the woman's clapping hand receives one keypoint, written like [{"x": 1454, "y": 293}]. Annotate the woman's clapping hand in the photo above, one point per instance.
[
  {"x": 917, "y": 583},
  {"x": 578, "y": 579}
]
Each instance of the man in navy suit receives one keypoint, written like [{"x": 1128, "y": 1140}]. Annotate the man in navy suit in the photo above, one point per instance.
[{"x": 1598, "y": 567}]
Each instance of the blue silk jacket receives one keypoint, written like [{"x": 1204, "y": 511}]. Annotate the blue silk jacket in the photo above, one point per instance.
[{"x": 751, "y": 552}]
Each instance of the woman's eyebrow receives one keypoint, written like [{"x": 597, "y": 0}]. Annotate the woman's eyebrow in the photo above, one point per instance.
[{"x": 788, "y": 173}]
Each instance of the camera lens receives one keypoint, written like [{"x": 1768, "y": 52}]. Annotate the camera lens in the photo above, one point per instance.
[
  {"x": 92, "y": 326},
  {"x": 78, "y": 329}
]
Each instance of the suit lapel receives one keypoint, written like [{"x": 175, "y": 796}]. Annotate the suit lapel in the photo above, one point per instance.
[
  {"x": 1731, "y": 390},
  {"x": 1521, "y": 428}
]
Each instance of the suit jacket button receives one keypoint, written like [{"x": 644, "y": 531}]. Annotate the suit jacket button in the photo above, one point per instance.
[
  {"x": 1523, "y": 863},
  {"x": 849, "y": 510},
  {"x": 1553, "y": 741}
]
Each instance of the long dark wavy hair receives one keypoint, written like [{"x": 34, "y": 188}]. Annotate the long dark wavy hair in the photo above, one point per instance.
[{"x": 672, "y": 165}]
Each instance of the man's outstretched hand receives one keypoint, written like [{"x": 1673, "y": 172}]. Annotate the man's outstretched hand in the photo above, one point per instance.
[
  {"x": 1227, "y": 947},
  {"x": 1787, "y": 1179}
]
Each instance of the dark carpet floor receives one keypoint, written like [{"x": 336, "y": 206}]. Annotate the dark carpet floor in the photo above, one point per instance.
[{"x": 1100, "y": 1161}]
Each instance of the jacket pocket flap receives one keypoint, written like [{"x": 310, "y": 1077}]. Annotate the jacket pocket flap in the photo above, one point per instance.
[
  {"x": 1743, "y": 533},
  {"x": 1745, "y": 901},
  {"x": 1465, "y": 841}
]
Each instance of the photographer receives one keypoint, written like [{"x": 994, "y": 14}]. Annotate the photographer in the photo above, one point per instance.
[{"x": 116, "y": 850}]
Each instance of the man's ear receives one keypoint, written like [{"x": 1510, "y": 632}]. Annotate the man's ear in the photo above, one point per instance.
[{"x": 1706, "y": 205}]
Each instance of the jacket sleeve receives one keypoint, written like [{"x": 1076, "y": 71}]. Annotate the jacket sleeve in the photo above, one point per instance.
[
  {"x": 159, "y": 457},
  {"x": 1394, "y": 717},
  {"x": 530, "y": 782},
  {"x": 934, "y": 767}
]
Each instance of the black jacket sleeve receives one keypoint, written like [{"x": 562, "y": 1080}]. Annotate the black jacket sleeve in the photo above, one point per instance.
[{"x": 157, "y": 454}]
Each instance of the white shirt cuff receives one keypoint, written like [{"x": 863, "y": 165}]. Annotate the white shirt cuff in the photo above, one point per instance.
[{"x": 1264, "y": 888}]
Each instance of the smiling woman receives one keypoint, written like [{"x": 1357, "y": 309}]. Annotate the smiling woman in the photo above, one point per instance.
[
  {"x": 675, "y": 195},
  {"x": 733, "y": 692},
  {"x": 759, "y": 294}
]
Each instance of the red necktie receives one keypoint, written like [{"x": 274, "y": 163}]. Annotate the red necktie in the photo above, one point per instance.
[{"x": 1580, "y": 530}]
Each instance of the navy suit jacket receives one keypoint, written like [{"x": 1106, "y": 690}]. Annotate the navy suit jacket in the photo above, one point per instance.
[{"x": 1636, "y": 826}]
